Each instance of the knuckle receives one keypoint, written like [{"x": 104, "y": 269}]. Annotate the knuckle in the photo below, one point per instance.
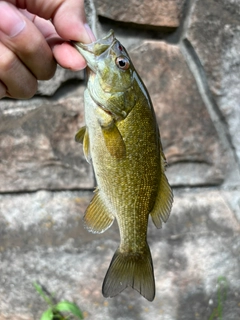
[
  {"x": 48, "y": 71},
  {"x": 26, "y": 91},
  {"x": 36, "y": 55},
  {"x": 19, "y": 82},
  {"x": 30, "y": 48},
  {"x": 3, "y": 90},
  {"x": 30, "y": 89},
  {"x": 7, "y": 61},
  {"x": 39, "y": 58}
]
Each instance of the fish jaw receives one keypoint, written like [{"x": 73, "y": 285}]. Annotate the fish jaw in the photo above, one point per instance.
[
  {"x": 88, "y": 56},
  {"x": 111, "y": 78},
  {"x": 91, "y": 51}
]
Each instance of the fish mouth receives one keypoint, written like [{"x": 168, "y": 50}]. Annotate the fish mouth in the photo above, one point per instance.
[
  {"x": 99, "y": 46},
  {"x": 92, "y": 50}
]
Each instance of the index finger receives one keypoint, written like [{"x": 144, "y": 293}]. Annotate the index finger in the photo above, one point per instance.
[{"x": 68, "y": 17}]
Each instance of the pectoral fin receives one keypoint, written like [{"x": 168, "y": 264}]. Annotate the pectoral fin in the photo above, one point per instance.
[
  {"x": 97, "y": 218},
  {"x": 114, "y": 141},
  {"x": 164, "y": 200},
  {"x": 82, "y": 136}
]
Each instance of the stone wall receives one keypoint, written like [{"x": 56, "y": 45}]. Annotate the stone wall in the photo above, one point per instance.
[{"x": 188, "y": 54}]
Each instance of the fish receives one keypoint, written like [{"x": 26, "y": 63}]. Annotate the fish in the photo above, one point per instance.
[{"x": 121, "y": 139}]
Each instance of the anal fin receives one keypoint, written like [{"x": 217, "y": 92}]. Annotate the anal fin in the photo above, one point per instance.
[
  {"x": 97, "y": 217},
  {"x": 164, "y": 200}
]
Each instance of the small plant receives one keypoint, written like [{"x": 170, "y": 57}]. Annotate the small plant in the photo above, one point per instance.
[
  {"x": 221, "y": 297},
  {"x": 56, "y": 310}
]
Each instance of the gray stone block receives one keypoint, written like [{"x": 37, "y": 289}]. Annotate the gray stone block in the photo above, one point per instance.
[
  {"x": 214, "y": 33},
  {"x": 190, "y": 141},
  {"x": 163, "y": 13},
  {"x": 38, "y": 150},
  {"x": 42, "y": 239}
]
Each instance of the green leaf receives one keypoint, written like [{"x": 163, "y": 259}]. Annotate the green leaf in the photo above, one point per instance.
[
  {"x": 222, "y": 295},
  {"x": 47, "y": 315},
  {"x": 66, "y": 306},
  {"x": 214, "y": 314},
  {"x": 42, "y": 294}
]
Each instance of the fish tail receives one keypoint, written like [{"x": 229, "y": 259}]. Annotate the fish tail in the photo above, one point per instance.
[{"x": 130, "y": 269}]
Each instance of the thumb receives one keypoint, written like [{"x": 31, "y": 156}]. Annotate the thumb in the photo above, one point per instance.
[{"x": 70, "y": 22}]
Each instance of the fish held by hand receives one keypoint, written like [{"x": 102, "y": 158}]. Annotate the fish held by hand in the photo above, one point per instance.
[{"x": 122, "y": 139}]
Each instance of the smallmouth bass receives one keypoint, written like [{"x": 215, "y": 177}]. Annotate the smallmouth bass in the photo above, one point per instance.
[{"x": 122, "y": 139}]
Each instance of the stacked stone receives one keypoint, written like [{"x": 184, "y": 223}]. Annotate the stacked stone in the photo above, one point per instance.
[{"x": 187, "y": 53}]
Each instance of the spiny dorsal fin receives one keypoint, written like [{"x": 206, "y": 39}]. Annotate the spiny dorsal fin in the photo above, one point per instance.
[
  {"x": 130, "y": 269},
  {"x": 82, "y": 136},
  {"x": 114, "y": 141},
  {"x": 97, "y": 218},
  {"x": 164, "y": 200}
]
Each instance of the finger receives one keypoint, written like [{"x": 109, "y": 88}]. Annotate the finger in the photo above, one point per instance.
[
  {"x": 3, "y": 90},
  {"x": 63, "y": 51},
  {"x": 74, "y": 26},
  {"x": 23, "y": 38},
  {"x": 44, "y": 26},
  {"x": 68, "y": 17},
  {"x": 68, "y": 57},
  {"x": 16, "y": 80}
]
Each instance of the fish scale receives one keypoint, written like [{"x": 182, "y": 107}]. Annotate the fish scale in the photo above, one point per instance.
[{"x": 121, "y": 139}]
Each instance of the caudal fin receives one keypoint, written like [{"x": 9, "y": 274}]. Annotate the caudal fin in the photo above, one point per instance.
[{"x": 130, "y": 269}]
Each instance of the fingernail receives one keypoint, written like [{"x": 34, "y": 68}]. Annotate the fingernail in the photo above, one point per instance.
[
  {"x": 90, "y": 33},
  {"x": 11, "y": 22}
]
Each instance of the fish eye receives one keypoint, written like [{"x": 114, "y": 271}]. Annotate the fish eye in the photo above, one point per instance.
[{"x": 122, "y": 63}]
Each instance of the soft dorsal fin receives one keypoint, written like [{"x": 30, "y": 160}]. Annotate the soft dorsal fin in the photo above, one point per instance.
[
  {"x": 82, "y": 136},
  {"x": 164, "y": 200},
  {"x": 97, "y": 218},
  {"x": 114, "y": 141}
]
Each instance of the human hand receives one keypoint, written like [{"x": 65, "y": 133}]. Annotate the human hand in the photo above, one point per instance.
[{"x": 30, "y": 44}]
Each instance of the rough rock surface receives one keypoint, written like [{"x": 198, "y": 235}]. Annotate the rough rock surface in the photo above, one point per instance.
[
  {"x": 41, "y": 136},
  {"x": 189, "y": 138},
  {"x": 37, "y": 146},
  {"x": 196, "y": 253},
  {"x": 43, "y": 240},
  {"x": 163, "y": 13},
  {"x": 49, "y": 87},
  {"x": 214, "y": 34}
]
